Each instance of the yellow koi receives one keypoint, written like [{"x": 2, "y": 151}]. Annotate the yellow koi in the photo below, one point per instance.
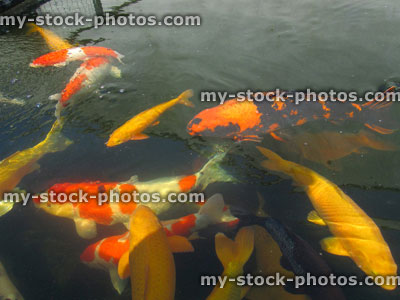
[
  {"x": 149, "y": 261},
  {"x": 132, "y": 129},
  {"x": 52, "y": 40},
  {"x": 233, "y": 256},
  {"x": 18, "y": 165},
  {"x": 354, "y": 233}
]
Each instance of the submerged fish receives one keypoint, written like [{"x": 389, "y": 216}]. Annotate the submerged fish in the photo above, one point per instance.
[
  {"x": 327, "y": 146},
  {"x": 106, "y": 253},
  {"x": 355, "y": 233},
  {"x": 62, "y": 57},
  {"x": 86, "y": 78},
  {"x": 249, "y": 120},
  {"x": 268, "y": 256},
  {"x": 18, "y": 165},
  {"x": 15, "y": 101},
  {"x": 133, "y": 129},
  {"x": 52, "y": 40},
  {"x": 7, "y": 289},
  {"x": 233, "y": 256},
  {"x": 277, "y": 250},
  {"x": 149, "y": 261},
  {"x": 86, "y": 215}
]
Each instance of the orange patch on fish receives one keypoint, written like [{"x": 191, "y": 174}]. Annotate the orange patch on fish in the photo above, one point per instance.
[
  {"x": 127, "y": 208},
  {"x": 358, "y": 106},
  {"x": 72, "y": 88},
  {"x": 278, "y": 105},
  {"x": 301, "y": 121},
  {"x": 183, "y": 226},
  {"x": 99, "y": 51},
  {"x": 101, "y": 214},
  {"x": 127, "y": 188},
  {"x": 324, "y": 106},
  {"x": 90, "y": 253},
  {"x": 327, "y": 115},
  {"x": 379, "y": 129},
  {"x": 51, "y": 58},
  {"x": 187, "y": 183},
  {"x": 273, "y": 126},
  {"x": 243, "y": 114},
  {"x": 113, "y": 248}
]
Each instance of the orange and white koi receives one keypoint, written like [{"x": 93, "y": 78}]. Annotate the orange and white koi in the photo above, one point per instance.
[
  {"x": 133, "y": 128},
  {"x": 106, "y": 253},
  {"x": 62, "y": 57},
  {"x": 85, "y": 79},
  {"x": 87, "y": 214}
]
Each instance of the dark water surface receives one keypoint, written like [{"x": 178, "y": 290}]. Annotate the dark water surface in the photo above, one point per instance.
[{"x": 252, "y": 44}]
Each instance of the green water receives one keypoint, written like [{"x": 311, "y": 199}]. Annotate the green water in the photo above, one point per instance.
[{"x": 240, "y": 45}]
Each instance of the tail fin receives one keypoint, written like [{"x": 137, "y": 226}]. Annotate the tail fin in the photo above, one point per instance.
[
  {"x": 184, "y": 98},
  {"x": 301, "y": 175},
  {"x": 32, "y": 27},
  {"x": 381, "y": 103},
  {"x": 55, "y": 141},
  {"x": 234, "y": 254},
  {"x": 367, "y": 139},
  {"x": 274, "y": 162},
  {"x": 213, "y": 208},
  {"x": 213, "y": 172}
]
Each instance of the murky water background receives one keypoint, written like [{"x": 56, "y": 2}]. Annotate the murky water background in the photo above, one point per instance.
[{"x": 258, "y": 45}]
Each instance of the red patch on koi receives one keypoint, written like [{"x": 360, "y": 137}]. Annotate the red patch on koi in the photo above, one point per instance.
[
  {"x": 99, "y": 51},
  {"x": 72, "y": 88},
  {"x": 113, "y": 248},
  {"x": 187, "y": 183},
  {"x": 183, "y": 226},
  {"x": 51, "y": 58}
]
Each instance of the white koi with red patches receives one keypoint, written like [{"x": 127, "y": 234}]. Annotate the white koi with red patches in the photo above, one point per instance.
[
  {"x": 106, "y": 253},
  {"x": 62, "y": 57}
]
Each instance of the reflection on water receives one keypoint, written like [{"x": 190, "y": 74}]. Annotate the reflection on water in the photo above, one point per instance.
[{"x": 258, "y": 45}]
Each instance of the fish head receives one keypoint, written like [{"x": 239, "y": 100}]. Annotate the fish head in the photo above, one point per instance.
[
  {"x": 59, "y": 209},
  {"x": 376, "y": 260},
  {"x": 232, "y": 119},
  {"x": 114, "y": 141}
]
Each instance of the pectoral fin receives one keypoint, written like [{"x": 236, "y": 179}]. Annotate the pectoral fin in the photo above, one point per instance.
[
  {"x": 333, "y": 246},
  {"x": 140, "y": 136},
  {"x": 115, "y": 72},
  {"x": 123, "y": 266},
  {"x": 118, "y": 283},
  {"x": 5, "y": 207},
  {"x": 155, "y": 123},
  {"x": 179, "y": 244},
  {"x": 86, "y": 229},
  {"x": 313, "y": 217}
]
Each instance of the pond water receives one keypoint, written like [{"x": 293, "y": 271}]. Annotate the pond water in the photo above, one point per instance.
[{"x": 240, "y": 45}]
